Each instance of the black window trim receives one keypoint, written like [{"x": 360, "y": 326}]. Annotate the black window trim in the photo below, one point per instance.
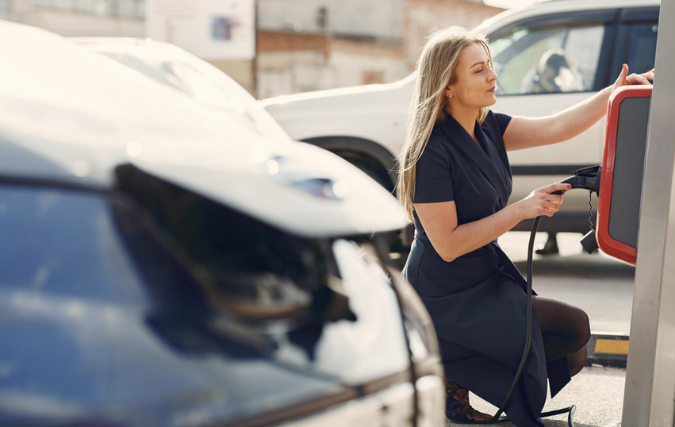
[
  {"x": 628, "y": 17},
  {"x": 643, "y": 14}
]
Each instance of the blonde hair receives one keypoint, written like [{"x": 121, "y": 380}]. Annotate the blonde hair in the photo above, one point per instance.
[{"x": 435, "y": 71}]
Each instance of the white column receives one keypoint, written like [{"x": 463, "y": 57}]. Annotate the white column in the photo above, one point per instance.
[{"x": 649, "y": 398}]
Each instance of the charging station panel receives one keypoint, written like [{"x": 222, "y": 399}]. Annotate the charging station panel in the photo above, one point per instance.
[{"x": 622, "y": 172}]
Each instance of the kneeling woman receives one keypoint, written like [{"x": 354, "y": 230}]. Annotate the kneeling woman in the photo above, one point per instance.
[{"x": 454, "y": 182}]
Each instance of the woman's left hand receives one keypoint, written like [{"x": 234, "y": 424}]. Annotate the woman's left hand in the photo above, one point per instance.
[{"x": 634, "y": 79}]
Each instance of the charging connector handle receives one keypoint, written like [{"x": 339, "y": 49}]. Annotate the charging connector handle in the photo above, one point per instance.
[{"x": 586, "y": 178}]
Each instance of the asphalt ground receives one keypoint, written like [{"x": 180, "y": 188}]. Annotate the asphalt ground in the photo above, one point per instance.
[{"x": 596, "y": 391}]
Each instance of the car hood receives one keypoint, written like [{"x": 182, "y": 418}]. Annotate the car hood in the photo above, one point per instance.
[
  {"x": 296, "y": 187},
  {"x": 83, "y": 116},
  {"x": 351, "y": 99}
]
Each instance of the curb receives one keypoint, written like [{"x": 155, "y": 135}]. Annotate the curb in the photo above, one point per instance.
[{"x": 607, "y": 349}]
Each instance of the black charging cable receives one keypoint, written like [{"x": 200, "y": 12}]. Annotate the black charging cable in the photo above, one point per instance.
[
  {"x": 528, "y": 340},
  {"x": 587, "y": 178}
]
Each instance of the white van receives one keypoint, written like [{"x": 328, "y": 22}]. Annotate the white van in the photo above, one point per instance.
[{"x": 366, "y": 125}]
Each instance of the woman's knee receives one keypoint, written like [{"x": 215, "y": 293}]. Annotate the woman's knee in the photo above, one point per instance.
[
  {"x": 577, "y": 361},
  {"x": 578, "y": 330},
  {"x": 583, "y": 329},
  {"x": 567, "y": 325}
]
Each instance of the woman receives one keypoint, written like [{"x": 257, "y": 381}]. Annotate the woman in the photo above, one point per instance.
[{"x": 454, "y": 182}]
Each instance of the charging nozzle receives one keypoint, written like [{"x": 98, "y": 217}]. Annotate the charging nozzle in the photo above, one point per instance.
[{"x": 587, "y": 178}]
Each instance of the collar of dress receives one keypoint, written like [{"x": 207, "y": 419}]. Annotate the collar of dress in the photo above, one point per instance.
[{"x": 488, "y": 160}]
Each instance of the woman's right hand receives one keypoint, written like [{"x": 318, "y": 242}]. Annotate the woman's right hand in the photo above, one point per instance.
[{"x": 541, "y": 202}]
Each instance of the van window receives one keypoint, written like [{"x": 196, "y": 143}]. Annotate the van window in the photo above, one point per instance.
[
  {"x": 642, "y": 49},
  {"x": 547, "y": 60}
]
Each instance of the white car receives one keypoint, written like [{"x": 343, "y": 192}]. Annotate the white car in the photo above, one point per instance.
[
  {"x": 165, "y": 264},
  {"x": 592, "y": 38}
]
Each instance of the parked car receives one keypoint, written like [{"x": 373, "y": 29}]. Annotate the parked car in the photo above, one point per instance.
[
  {"x": 591, "y": 39},
  {"x": 163, "y": 264}
]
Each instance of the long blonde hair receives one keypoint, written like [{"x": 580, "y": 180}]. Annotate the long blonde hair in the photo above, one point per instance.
[{"x": 435, "y": 71}]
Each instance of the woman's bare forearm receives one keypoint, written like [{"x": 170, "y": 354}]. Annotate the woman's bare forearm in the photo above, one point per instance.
[
  {"x": 529, "y": 132},
  {"x": 473, "y": 235},
  {"x": 578, "y": 118}
]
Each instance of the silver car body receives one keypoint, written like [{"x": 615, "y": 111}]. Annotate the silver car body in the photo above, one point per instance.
[{"x": 76, "y": 121}]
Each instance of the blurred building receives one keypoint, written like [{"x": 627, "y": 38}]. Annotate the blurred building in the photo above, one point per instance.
[
  {"x": 301, "y": 45},
  {"x": 79, "y": 17},
  {"x": 306, "y": 45}
]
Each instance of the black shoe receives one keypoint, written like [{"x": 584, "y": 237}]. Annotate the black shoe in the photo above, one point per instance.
[
  {"x": 550, "y": 247},
  {"x": 457, "y": 407}
]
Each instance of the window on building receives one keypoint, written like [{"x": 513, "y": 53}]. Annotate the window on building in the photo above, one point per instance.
[
  {"x": 130, "y": 8},
  {"x": 547, "y": 60},
  {"x": 118, "y": 8},
  {"x": 4, "y": 8},
  {"x": 372, "y": 77},
  {"x": 97, "y": 7}
]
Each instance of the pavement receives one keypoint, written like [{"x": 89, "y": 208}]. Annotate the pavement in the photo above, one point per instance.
[
  {"x": 601, "y": 286},
  {"x": 596, "y": 391}
]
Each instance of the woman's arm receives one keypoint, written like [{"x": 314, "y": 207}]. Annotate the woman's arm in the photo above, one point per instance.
[
  {"x": 528, "y": 132},
  {"x": 451, "y": 241}
]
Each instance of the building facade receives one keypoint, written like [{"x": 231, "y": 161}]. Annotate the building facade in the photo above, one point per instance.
[
  {"x": 119, "y": 18},
  {"x": 306, "y": 45},
  {"x": 301, "y": 45}
]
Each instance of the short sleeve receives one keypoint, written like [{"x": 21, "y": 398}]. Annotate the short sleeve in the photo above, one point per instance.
[
  {"x": 503, "y": 121},
  {"x": 433, "y": 182}
]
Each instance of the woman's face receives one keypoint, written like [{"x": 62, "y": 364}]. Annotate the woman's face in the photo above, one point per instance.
[{"x": 475, "y": 82}]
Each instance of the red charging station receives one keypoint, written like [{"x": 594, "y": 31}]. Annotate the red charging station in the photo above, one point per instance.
[{"x": 622, "y": 172}]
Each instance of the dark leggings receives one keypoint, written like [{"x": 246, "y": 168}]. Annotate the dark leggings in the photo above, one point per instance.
[{"x": 565, "y": 330}]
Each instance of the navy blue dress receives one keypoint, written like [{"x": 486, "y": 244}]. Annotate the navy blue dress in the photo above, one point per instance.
[{"x": 478, "y": 301}]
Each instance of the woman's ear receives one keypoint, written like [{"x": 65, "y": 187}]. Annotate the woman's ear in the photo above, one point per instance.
[{"x": 448, "y": 94}]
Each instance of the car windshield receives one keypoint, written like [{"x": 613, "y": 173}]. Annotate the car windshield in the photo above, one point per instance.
[{"x": 81, "y": 246}]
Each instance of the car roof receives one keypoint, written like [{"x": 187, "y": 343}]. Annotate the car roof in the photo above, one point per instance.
[
  {"x": 545, "y": 7},
  {"x": 69, "y": 115}
]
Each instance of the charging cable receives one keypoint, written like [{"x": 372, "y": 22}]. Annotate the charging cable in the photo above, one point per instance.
[
  {"x": 588, "y": 179},
  {"x": 528, "y": 340}
]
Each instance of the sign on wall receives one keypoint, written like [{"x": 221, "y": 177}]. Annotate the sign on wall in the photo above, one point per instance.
[{"x": 210, "y": 29}]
